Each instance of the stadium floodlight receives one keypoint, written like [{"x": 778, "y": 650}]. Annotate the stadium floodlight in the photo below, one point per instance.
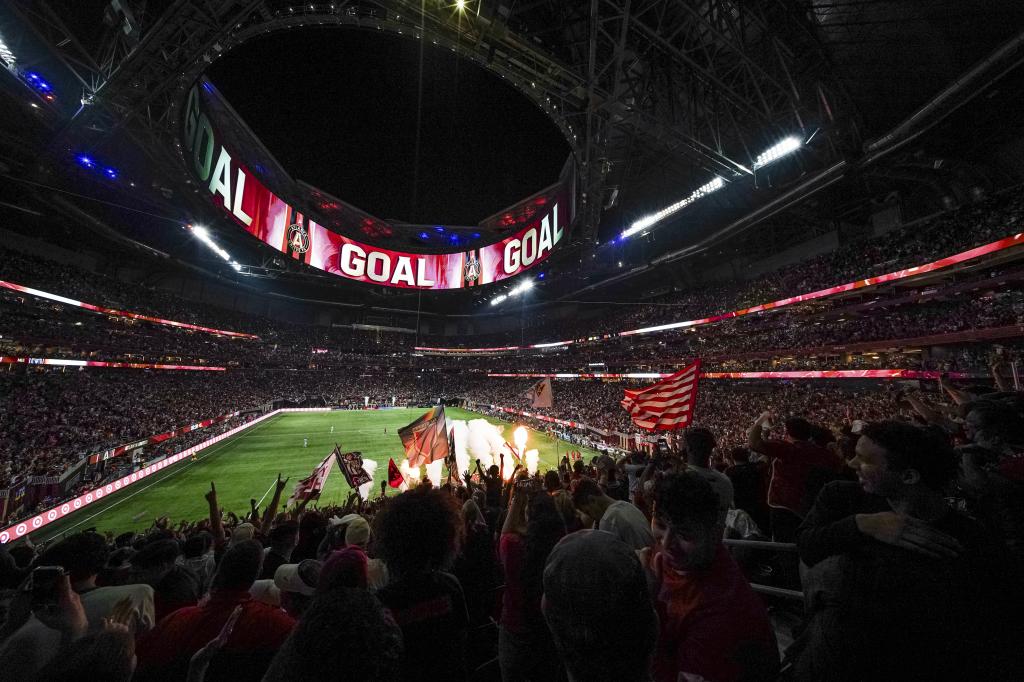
[
  {"x": 203, "y": 235},
  {"x": 649, "y": 220},
  {"x": 6, "y": 56},
  {"x": 460, "y": 4},
  {"x": 498, "y": 299},
  {"x": 777, "y": 151},
  {"x": 525, "y": 285}
]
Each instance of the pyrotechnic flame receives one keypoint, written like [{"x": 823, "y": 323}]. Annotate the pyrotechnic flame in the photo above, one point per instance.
[
  {"x": 411, "y": 474},
  {"x": 519, "y": 438},
  {"x": 532, "y": 458}
]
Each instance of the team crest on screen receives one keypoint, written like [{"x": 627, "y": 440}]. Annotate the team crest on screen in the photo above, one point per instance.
[
  {"x": 472, "y": 269},
  {"x": 298, "y": 238}
]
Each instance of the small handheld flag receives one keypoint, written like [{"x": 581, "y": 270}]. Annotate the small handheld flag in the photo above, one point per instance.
[{"x": 395, "y": 478}]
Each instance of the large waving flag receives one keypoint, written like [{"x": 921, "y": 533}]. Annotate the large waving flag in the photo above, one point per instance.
[
  {"x": 666, "y": 405},
  {"x": 351, "y": 465},
  {"x": 310, "y": 487},
  {"x": 540, "y": 394},
  {"x": 426, "y": 439}
]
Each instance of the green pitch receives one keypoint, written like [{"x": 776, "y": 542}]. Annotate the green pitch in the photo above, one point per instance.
[{"x": 246, "y": 466}]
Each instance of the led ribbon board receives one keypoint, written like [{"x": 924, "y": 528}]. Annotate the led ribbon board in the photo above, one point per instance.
[
  {"x": 61, "y": 362},
  {"x": 955, "y": 259},
  {"x": 121, "y": 313},
  {"x": 791, "y": 374},
  {"x": 236, "y": 190}
]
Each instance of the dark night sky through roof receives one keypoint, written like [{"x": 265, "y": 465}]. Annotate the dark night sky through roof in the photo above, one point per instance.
[{"x": 337, "y": 107}]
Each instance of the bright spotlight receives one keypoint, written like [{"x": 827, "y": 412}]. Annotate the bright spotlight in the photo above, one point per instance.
[
  {"x": 460, "y": 4},
  {"x": 777, "y": 151},
  {"x": 649, "y": 220}
]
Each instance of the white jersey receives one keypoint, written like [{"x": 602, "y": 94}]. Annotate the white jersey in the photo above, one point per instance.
[{"x": 305, "y": 442}]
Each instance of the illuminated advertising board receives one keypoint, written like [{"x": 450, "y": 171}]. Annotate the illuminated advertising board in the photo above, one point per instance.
[{"x": 237, "y": 191}]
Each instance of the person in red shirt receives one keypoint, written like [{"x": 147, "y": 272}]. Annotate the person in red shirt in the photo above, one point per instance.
[
  {"x": 795, "y": 462},
  {"x": 526, "y": 650},
  {"x": 164, "y": 652},
  {"x": 711, "y": 624}
]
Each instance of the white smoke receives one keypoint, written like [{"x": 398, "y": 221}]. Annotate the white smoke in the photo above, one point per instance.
[
  {"x": 460, "y": 436},
  {"x": 474, "y": 440},
  {"x": 434, "y": 472},
  {"x": 366, "y": 489}
]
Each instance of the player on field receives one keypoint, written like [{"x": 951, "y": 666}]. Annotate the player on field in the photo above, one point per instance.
[{"x": 305, "y": 442}]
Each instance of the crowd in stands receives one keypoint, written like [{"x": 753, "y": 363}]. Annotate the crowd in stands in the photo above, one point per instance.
[
  {"x": 35, "y": 326},
  {"x": 49, "y": 420},
  {"x": 941, "y": 236},
  {"x": 907, "y": 517},
  {"x": 906, "y": 507}
]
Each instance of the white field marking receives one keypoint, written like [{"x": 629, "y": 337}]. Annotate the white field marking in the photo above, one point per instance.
[
  {"x": 177, "y": 470},
  {"x": 265, "y": 494}
]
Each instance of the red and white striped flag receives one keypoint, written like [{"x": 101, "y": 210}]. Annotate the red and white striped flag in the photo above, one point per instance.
[
  {"x": 666, "y": 405},
  {"x": 310, "y": 487}
]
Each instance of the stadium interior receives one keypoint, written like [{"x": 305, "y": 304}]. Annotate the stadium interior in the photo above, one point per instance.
[{"x": 647, "y": 340}]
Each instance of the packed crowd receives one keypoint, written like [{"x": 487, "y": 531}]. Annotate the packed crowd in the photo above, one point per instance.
[
  {"x": 35, "y": 325},
  {"x": 910, "y": 530},
  {"x": 49, "y": 420},
  {"x": 942, "y": 236}
]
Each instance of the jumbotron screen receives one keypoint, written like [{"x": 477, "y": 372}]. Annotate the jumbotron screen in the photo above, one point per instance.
[{"x": 290, "y": 230}]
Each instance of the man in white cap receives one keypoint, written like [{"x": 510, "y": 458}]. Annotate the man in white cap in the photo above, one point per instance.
[
  {"x": 357, "y": 534},
  {"x": 297, "y": 585}
]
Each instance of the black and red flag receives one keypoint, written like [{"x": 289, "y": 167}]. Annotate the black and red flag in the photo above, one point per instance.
[
  {"x": 426, "y": 439},
  {"x": 351, "y": 465}
]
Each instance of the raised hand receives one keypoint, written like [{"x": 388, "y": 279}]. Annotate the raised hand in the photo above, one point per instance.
[
  {"x": 909, "y": 533},
  {"x": 200, "y": 661},
  {"x": 68, "y": 615},
  {"x": 211, "y": 494}
]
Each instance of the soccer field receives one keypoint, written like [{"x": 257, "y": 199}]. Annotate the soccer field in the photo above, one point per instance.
[{"x": 246, "y": 466}]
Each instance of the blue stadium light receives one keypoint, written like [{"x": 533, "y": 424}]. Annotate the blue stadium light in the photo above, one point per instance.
[
  {"x": 541, "y": 275},
  {"x": 454, "y": 238},
  {"x": 424, "y": 235},
  {"x": 110, "y": 173},
  {"x": 476, "y": 235},
  {"x": 438, "y": 228},
  {"x": 86, "y": 161}
]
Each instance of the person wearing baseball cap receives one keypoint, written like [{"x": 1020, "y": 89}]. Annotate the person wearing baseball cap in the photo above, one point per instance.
[{"x": 297, "y": 585}]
